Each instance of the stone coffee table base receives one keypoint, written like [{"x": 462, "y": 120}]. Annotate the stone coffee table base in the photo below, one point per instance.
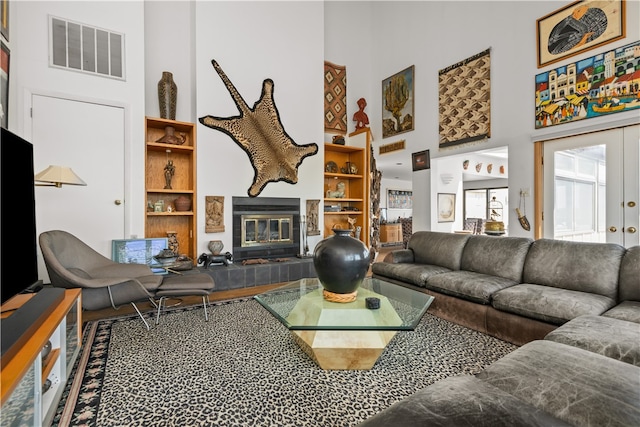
[{"x": 333, "y": 350}]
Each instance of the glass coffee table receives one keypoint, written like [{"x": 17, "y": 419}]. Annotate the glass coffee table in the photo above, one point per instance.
[{"x": 345, "y": 335}]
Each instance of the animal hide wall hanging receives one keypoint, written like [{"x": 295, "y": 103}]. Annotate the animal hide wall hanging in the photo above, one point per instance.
[
  {"x": 464, "y": 92},
  {"x": 259, "y": 132}
]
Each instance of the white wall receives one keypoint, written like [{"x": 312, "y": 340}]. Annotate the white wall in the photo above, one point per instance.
[
  {"x": 253, "y": 41},
  {"x": 288, "y": 42},
  {"x": 435, "y": 34},
  {"x": 30, "y": 73}
]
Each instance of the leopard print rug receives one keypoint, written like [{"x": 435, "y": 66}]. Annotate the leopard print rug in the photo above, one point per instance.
[{"x": 243, "y": 368}]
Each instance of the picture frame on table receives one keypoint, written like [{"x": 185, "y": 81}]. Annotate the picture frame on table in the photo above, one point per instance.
[
  {"x": 398, "y": 103},
  {"x": 420, "y": 160},
  {"x": 578, "y": 27},
  {"x": 446, "y": 207}
]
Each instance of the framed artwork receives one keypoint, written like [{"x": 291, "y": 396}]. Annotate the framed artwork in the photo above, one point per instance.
[
  {"x": 420, "y": 160},
  {"x": 398, "y": 103},
  {"x": 464, "y": 100},
  {"x": 577, "y": 27},
  {"x": 4, "y": 85},
  {"x": 335, "y": 98},
  {"x": 399, "y": 199},
  {"x": 446, "y": 207},
  {"x": 214, "y": 216},
  {"x": 4, "y": 19},
  {"x": 599, "y": 88}
]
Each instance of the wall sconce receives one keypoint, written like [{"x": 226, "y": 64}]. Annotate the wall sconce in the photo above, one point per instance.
[{"x": 55, "y": 176}]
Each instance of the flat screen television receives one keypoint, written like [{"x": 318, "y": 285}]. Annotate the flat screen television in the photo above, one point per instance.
[{"x": 18, "y": 247}]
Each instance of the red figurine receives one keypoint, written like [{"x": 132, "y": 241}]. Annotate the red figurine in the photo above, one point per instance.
[{"x": 360, "y": 117}]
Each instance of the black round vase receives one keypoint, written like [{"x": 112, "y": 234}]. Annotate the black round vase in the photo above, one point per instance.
[{"x": 341, "y": 262}]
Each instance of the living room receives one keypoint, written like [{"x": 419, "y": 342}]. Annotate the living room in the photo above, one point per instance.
[
  {"x": 288, "y": 43},
  {"x": 347, "y": 34}
]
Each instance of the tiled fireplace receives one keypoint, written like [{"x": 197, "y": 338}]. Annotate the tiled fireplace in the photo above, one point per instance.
[{"x": 265, "y": 227}]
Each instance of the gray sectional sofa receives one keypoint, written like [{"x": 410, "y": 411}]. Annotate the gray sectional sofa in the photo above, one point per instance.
[
  {"x": 515, "y": 288},
  {"x": 573, "y": 307}
]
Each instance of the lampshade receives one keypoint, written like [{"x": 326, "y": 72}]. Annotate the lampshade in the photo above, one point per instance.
[{"x": 58, "y": 175}]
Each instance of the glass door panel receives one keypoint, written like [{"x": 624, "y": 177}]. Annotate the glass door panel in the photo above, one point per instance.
[{"x": 591, "y": 187}]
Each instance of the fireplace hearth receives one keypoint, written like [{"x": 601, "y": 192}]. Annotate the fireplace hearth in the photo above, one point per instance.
[{"x": 265, "y": 227}]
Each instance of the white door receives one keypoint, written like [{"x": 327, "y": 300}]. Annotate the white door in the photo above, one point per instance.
[
  {"x": 592, "y": 187},
  {"x": 89, "y": 138}
]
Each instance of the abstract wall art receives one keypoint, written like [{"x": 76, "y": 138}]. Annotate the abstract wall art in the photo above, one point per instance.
[{"x": 464, "y": 95}]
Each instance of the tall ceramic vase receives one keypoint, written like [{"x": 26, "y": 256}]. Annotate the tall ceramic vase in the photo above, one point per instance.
[
  {"x": 341, "y": 263},
  {"x": 167, "y": 96}
]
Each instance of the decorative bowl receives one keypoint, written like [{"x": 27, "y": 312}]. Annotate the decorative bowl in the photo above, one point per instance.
[{"x": 166, "y": 257}]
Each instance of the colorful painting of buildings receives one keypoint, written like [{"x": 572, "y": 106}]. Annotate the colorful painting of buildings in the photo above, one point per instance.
[{"x": 603, "y": 84}]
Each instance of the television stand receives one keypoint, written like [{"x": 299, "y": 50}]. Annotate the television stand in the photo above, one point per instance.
[{"x": 24, "y": 370}]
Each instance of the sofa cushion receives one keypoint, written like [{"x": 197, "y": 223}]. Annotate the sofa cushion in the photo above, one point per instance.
[
  {"x": 467, "y": 285},
  {"x": 629, "y": 282},
  {"x": 461, "y": 401},
  {"x": 580, "y": 387},
  {"x": 576, "y": 266},
  {"x": 435, "y": 248},
  {"x": 609, "y": 337},
  {"x": 502, "y": 257},
  {"x": 415, "y": 274},
  {"x": 627, "y": 310},
  {"x": 549, "y": 304}
]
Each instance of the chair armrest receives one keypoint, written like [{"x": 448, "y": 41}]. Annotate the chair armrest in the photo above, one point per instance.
[
  {"x": 400, "y": 256},
  {"x": 120, "y": 270}
]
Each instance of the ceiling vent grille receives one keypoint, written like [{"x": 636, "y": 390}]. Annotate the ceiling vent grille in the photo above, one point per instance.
[{"x": 78, "y": 47}]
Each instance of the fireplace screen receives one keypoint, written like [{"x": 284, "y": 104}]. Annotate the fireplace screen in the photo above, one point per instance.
[{"x": 258, "y": 230}]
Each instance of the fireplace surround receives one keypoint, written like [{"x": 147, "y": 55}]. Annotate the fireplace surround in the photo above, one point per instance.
[{"x": 265, "y": 227}]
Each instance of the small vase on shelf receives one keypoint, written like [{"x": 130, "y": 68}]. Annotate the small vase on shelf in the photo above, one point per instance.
[{"x": 215, "y": 246}]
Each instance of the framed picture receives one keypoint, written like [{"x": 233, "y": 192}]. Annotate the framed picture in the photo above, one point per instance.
[
  {"x": 4, "y": 19},
  {"x": 399, "y": 199},
  {"x": 398, "y": 103},
  {"x": 456, "y": 100},
  {"x": 446, "y": 207},
  {"x": 4, "y": 85},
  {"x": 420, "y": 160},
  {"x": 577, "y": 27},
  {"x": 588, "y": 96}
]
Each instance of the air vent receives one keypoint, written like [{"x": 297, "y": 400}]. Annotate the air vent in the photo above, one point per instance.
[{"x": 79, "y": 47}]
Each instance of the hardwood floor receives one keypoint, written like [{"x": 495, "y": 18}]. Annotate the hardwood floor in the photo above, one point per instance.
[{"x": 145, "y": 307}]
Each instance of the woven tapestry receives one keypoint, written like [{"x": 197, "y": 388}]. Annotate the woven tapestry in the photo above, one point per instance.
[
  {"x": 464, "y": 101},
  {"x": 335, "y": 98}
]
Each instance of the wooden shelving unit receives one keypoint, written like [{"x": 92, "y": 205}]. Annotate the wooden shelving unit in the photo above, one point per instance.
[
  {"x": 355, "y": 202},
  {"x": 183, "y": 183}
]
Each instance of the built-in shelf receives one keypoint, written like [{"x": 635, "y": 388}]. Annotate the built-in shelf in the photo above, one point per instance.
[
  {"x": 183, "y": 183},
  {"x": 338, "y": 159}
]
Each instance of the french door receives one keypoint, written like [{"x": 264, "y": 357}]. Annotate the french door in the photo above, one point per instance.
[{"x": 592, "y": 187}]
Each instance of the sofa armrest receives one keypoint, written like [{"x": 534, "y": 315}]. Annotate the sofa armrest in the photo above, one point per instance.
[{"x": 399, "y": 256}]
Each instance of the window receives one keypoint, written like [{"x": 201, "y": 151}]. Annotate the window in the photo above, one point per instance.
[{"x": 476, "y": 204}]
